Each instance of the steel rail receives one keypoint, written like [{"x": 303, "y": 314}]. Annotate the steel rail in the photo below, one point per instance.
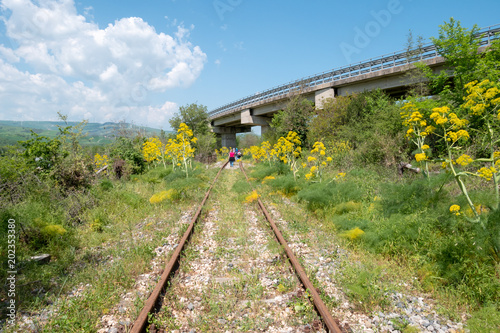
[
  {"x": 141, "y": 321},
  {"x": 398, "y": 58},
  {"x": 318, "y": 303}
]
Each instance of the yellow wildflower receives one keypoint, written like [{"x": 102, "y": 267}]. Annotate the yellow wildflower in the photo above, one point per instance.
[
  {"x": 430, "y": 129},
  {"x": 486, "y": 173},
  {"x": 463, "y": 134},
  {"x": 353, "y": 233},
  {"x": 420, "y": 157},
  {"x": 441, "y": 120},
  {"x": 464, "y": 160},
  {"x": 455, "y": 209},
  {"x": 252, "y": 197}
]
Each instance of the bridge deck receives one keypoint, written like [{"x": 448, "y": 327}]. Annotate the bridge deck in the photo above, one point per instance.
[{"x": 337, "y": 76}]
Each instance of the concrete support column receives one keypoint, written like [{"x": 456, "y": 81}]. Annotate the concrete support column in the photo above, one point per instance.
[
  {"x": 264, "y": 129},
  {"x": 321, "y": 95},
  {"x": 228, "y": 140}
]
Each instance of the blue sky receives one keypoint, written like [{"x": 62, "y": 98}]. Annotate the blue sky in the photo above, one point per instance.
[{"x": 139, "y": 61}]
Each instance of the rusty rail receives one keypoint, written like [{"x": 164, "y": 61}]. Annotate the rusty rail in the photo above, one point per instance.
[
  {"x": 321, "y": 308},
  {"x": 141, "y": 322}
]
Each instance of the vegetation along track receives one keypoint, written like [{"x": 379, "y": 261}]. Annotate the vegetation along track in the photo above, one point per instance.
[{"x": 233, "y": 275}]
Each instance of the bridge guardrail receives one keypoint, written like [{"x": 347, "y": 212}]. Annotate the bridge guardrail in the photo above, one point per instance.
[{"x": 385, "y": 61}]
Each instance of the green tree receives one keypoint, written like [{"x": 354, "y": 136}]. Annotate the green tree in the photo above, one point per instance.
[
  {"x": 489, "y": 64},
  {"x": 325, "y": 122},
  {"x": 248, "y": 140},
  {"x": 42, "y": 152},
  {"x": 75, "y": 170},
  {"x": 365, "y": 120},
  {"x": 205, "y": 145},
  {"x": 195, "y": 116},
  {"x": 294, "y": 117},
  {"x": 70, "y": 136},
  {"x": 129, "y": 150},
  {"x": 460, "y": 48}
]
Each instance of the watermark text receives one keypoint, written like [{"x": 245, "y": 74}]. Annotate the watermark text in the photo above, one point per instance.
[
  {"x": 11, "y": 272},
  {"x": 364, "y": 36}
]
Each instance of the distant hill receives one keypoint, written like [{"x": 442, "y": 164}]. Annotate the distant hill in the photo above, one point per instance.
[{"x": 96, "y": 134}]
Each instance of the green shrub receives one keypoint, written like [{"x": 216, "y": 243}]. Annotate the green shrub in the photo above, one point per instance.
[
  {"x": 412, "y": 196},
  {"x": 493, "y": 226},
  {"x": 286, "y": 184},
  {"x": 347, "y": 207},
  {"x": 317, "y": 196},
  {"x": 99, "y": 219},
  {"x": 347, "y": 222},
  {"x": 160, "y": 172},
  {"x": 130, "y": 151},
  {"x": 53, "y": 230},
  {"x": 363, "y": 287},
  {"x": 322, "y": 195},
  {"x": 263, "y": 170},
  {"x": 106, "y": 184},
  {"x": 463, "y": 258},
  {"x": 169, "y": 195}
]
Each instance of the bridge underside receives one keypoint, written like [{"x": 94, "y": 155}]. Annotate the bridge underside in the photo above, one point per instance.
[{"x": 227, "y": 134}]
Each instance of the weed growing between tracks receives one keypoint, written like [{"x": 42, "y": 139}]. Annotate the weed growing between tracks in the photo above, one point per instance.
[{"x": 234, "y": 275}]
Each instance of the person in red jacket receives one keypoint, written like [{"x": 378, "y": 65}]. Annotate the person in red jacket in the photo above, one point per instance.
[{"x": 231, "y": 157}]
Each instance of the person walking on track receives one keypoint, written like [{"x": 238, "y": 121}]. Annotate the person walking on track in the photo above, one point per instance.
[{"x": 231, "y": 157}]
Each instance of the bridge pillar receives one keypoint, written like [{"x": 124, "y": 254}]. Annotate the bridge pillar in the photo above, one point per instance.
[
  {"x": 321, "y": 95},
  {"x": 228, "y": 134},
  {"x": 264, "y": 129},
  {"x": 228, "y": 140}
]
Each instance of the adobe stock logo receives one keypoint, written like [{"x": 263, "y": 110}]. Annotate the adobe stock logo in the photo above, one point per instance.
[
  {"x": 223, "y": 6},
  {"x": 372, "y": 29}
]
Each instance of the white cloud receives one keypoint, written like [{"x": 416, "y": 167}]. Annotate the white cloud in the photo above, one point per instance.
[
  {"x": 238, "y": 46},
  {"x": 72, "y": 65}
]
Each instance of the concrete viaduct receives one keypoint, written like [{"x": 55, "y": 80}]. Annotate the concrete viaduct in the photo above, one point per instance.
[{"x": 386, "y": 72}]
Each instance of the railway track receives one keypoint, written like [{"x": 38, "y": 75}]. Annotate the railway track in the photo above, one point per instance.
[{"x": 304, "y": 291}]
